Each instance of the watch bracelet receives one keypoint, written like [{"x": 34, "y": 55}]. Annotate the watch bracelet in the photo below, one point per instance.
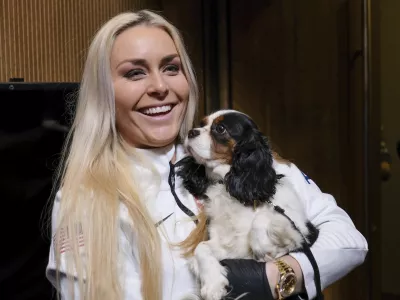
[{"x": 283, "y": 266}]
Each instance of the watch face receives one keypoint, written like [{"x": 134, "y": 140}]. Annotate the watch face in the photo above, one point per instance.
[{"x": 288, "y": 283}]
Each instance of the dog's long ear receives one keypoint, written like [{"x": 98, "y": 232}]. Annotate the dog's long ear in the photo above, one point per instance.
[
  {"x": 193, "y": 176},
  {"x": 252, "y": 176}
]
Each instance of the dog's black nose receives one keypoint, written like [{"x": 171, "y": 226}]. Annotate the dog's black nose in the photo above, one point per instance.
[{"x": 193, "y": 133}]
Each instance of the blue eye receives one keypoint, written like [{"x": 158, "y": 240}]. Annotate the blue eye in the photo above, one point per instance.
[{"x": 172, "y": 69}]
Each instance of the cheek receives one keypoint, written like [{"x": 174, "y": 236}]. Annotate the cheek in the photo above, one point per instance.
[
  {"x": 180, "y": 86},
  {"x": 202, "y": 145},
  {"x": 127, "y": 95},
  {"x": 223, "y": 151}
]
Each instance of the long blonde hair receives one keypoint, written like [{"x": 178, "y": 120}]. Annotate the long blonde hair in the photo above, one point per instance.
[{"x": 95, "y": 174}]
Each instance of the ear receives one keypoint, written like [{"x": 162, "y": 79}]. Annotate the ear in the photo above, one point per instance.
[
  {"x": 193, "y": 176},
  {"x": 252, "y": 176}
]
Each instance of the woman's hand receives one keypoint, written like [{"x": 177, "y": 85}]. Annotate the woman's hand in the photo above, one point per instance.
[
  {"x": 273, "y": 275},
  {"x": 259, "y": 279},
  {"x": 247, "y": 276}
]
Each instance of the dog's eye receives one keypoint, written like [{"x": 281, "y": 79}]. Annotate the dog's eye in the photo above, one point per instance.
[{"x": 220, "y": 129}]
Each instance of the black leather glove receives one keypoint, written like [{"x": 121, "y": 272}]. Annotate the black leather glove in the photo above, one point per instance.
[{"x": 247, "y": 276}]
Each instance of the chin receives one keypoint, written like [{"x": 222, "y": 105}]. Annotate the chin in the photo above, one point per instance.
[
  {"x": 162, "y": 135},
  {"x": 161, "y": 141},
  {"x": 230, "y": 168}
]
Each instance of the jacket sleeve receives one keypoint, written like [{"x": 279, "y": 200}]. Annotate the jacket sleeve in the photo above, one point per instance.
[
  {"x": 340, "y": 247},
  {"x": 64, "y": 287},
  {"x": 128, "y": 267}
]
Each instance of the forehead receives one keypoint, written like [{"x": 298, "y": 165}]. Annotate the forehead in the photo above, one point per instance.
[
  {"x": 142, "y": 42},
  {"x": 215, "y": 117},
  {"x": 220, "y": 113},
  {"x": 227, "y": 118}
]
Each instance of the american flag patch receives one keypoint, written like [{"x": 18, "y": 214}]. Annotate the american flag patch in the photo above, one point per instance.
[{"x": 64, "y": 239}]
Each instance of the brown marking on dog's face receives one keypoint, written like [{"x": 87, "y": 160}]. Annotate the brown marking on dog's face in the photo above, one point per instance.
[
  {"x": 222, "y": 142},
  {"x": 219, "y": 119},
  {"x": 204, "y": 122},
  {"x": 222, "y": 152}
]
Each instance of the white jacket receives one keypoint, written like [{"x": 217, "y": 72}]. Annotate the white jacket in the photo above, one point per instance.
[{"x": 339, "y": 249}]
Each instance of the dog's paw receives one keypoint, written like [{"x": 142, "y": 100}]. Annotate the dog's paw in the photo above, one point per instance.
[
  {"x": 214, "y": 290},
  {"x": 214, "y": 287},
  {"x": 273, "y": 256},
  {"x": 274, "y": 240},
  {"x": 265, "y": 250},
  {"x": 193, "y": 265}
]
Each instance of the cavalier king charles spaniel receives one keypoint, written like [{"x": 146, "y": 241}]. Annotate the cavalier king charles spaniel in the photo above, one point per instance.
[{"x": 230, "y": 168}]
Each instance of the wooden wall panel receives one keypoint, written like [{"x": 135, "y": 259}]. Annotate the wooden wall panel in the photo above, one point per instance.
[
  {"x": 46, "y": 40},
  {"x": 292, "y": 71},
  {"x": 190, "y": 25}
]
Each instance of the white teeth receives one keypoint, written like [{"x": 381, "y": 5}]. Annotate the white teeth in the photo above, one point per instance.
[{"x": 157, "y": 110}]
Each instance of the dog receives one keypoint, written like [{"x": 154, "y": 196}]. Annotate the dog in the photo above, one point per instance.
[{"x": 229, "y": 167}]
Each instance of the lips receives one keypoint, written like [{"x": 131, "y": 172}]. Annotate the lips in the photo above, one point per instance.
[{"x": 157, "y": 110}]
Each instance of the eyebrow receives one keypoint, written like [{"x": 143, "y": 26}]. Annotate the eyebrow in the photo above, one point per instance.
[{"x": 143, "y": 62}]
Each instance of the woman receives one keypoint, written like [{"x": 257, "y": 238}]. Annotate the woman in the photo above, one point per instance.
[{"x": 120, "y": 208}]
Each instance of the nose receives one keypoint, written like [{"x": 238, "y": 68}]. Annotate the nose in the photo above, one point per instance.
[
  {"x": 158, "y": 88},
  {"x": 193, "y": 133}
]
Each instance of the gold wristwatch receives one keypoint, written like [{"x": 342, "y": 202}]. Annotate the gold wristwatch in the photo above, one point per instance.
[{"x": 287, "y": 280}]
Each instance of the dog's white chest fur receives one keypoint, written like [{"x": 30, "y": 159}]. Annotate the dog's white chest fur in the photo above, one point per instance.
[
  {"x": 245, "y": 232},
  {"x": 230, "y": 222}
]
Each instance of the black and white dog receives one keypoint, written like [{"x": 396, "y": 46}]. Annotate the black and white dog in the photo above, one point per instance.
[{"x": 230, "y": 167}]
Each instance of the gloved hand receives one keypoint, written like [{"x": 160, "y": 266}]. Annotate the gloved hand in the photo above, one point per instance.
[{"x": 247, "y": 276}]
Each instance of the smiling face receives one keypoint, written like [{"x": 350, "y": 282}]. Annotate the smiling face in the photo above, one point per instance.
[{"x": 151, "y": 90}]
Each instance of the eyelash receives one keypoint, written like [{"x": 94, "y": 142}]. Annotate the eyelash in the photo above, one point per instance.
[
  {"x": 174, "y": 67},
  {"x": 134, "y": 73}
]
